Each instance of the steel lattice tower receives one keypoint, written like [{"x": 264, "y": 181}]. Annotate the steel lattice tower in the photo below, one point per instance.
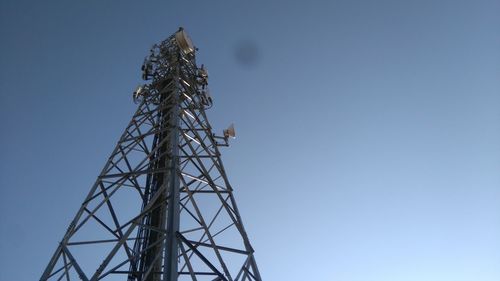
[{"x": 162, "y": 207}]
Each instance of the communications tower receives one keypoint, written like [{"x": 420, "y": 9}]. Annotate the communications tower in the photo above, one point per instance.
[{"x": 162, "y": 207}]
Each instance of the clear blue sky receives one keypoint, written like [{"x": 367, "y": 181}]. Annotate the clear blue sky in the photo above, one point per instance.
[{"x": 368, "y": 141}]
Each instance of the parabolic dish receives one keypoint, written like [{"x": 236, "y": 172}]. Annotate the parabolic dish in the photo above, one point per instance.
[{"x": 184, "y": 41}]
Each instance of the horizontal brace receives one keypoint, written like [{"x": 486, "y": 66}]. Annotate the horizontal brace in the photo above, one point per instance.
[
  {"x": 197, "y": 273},
  {"x": 198, "y": 156},
  {"x": 196, "y": 244},
  {"x": 133, "y": 272},
  {"x": 203, "y": 191},
  {"x": 98, "y": 241},
  {"x": 135, "y": 173}
]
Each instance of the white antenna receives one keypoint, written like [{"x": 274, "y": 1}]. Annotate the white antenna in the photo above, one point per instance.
[
  {"x": 183, "y": 41},
  {"x": 229, "y": 132},
  {"x": 139, "y": 93}
]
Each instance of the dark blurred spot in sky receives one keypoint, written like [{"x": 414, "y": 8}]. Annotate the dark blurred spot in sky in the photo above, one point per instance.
[{"x": 247, "y": 53}]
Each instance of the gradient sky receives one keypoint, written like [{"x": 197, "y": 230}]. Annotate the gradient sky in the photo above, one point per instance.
[{"x": 368, "y": 143}]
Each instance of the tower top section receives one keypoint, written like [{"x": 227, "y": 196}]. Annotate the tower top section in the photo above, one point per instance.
[{"x": 174, "y": 57}]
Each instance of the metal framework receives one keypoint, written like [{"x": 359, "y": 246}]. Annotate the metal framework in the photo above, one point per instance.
[{"x": 162, "y": 207}]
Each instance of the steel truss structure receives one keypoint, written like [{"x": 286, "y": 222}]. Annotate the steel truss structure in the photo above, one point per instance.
[{"x": 162, "y": 207}]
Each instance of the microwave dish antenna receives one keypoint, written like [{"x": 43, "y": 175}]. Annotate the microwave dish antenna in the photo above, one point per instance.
[{"x": 184, "y": 41}]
